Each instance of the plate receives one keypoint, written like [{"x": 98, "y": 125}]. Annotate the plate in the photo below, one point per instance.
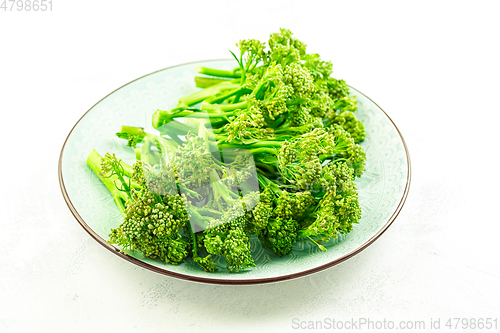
[{"x": 383, "y": 188}]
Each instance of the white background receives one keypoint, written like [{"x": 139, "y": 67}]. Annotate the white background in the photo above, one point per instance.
[{"x": 432, "y": 66}]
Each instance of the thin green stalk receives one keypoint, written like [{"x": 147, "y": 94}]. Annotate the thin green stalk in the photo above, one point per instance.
[
  {"x": 259, "y": 144},
  {"x": 206, "y": 106},
  {"x": 241, "y": 90},
  {"x": 205, "y": 82},
  {"x": 217, "y": 72},
  {"x": 321, "y": 247},
  {"x": 201, "y": 95}
]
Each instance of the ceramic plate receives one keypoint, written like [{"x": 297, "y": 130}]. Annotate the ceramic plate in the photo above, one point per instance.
[{"x": 382, "y": 188}]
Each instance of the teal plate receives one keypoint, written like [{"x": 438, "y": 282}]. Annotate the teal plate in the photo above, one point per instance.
[{"x": 383, "y": 188}]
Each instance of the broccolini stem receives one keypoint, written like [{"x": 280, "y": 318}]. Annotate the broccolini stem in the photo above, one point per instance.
[
  {"x": 209, "y": 212},
  {"x": 254, "y": 151},
  {"x": 129, "y": 131},
  {"x": 163, "y": 118},
  {"x": 267, "y": 167},
  {"x": 134, "y": 130},
  {"x": 264, "y": 150},
  {"x": 321, "y": 247},
  {"x": 205, "y": 82},
  {"x": 291, "y": 130},
  {"x": 217, "y": 72},
  {"x": 201, "y": 95},
  {"x": 260, "y": 144},
  {"x": 206, "y": 106},
  {"x": 241, "y": 90},
  {"x": 192, "y": 193},
  {"x": 193, "y": 239},
  {"x": 278, "y": 121},
  {"x": 264, "y": 182},
  {"x": 237, "y": 97}
]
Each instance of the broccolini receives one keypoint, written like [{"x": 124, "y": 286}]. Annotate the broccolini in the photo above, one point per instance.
[{"x": 269, "y": 150}]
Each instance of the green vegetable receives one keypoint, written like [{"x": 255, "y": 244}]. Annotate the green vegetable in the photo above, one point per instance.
[{"x": 269, "y": 150}]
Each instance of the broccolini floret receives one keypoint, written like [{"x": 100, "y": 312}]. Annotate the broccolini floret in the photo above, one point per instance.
[
  {"x": 339, "y": 208},
  {"x": 151, "y": 222}
]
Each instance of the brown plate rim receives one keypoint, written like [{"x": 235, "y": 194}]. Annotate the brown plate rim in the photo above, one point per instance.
[{"x": 142, "y": 264}]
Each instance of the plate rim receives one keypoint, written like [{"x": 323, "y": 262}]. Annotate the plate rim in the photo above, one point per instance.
[{"x": 219, "y": 281}]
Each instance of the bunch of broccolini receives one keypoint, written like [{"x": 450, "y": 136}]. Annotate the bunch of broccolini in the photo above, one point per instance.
[{"x": 269, "y": 149}]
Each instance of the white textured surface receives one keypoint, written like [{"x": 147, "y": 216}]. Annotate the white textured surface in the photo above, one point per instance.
[{"x": 433, "y": 67}]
